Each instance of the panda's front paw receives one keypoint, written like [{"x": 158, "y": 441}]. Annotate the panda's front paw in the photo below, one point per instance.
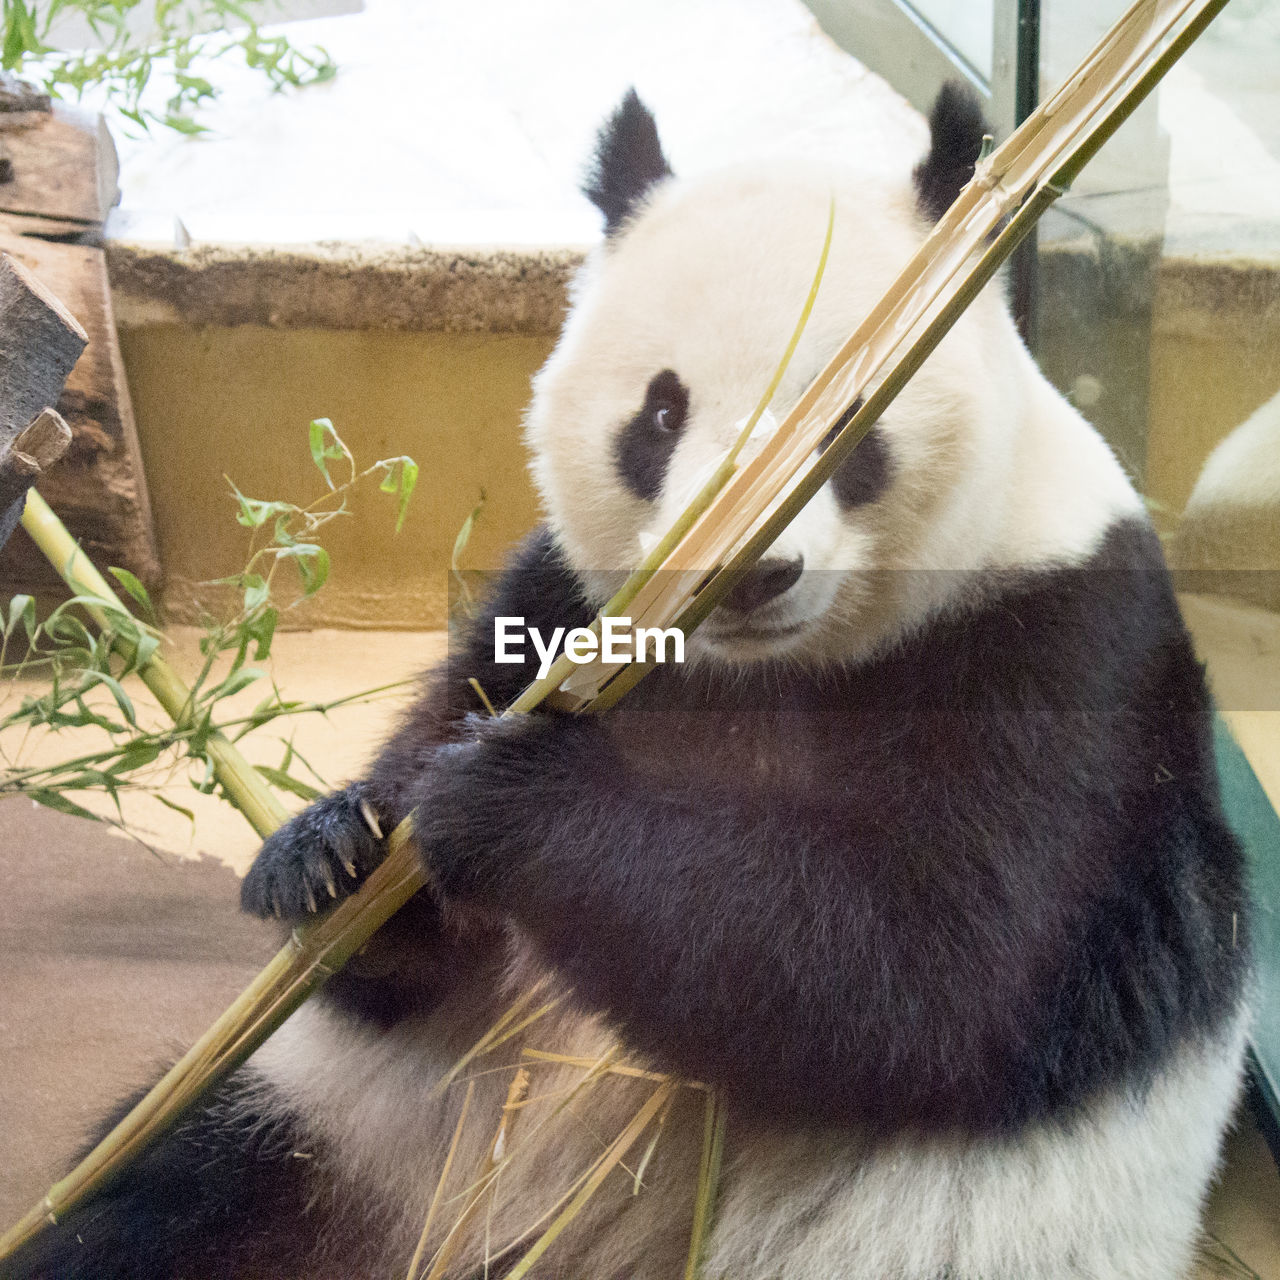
[
  {"x": 487, "y": 795},
  {"x": 316, "y": 859}
]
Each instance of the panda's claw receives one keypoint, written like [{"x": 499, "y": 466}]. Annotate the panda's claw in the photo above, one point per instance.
[
  {"x": 297, "y": 869},
  {"x": 370, "y": 819}
]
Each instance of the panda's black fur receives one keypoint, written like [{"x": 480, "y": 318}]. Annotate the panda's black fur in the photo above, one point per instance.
[
  {"x": 628, "y": 161},
  {"x": 953, "y": 894}
]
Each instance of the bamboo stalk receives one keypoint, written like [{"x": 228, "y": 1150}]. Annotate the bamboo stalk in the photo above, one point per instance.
[{"x": 1022, "y": 178}]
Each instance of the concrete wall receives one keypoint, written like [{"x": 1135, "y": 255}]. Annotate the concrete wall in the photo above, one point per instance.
[{"x": 214, "y": 401}]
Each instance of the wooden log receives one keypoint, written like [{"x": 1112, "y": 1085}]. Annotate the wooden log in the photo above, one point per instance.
[
  {"x": 62, "y": 183},
  {"x": 40, "y": 342},
  {"x": 63, "y": 164},
  {"x": 98, "y": 489},
  {"x": 44, "y": 441},
  {"x": 25, "y": 461}
]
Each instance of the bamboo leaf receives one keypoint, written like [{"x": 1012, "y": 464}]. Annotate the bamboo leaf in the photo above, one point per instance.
[
  {"x": 66, "y": 628},
  {"x": 43, "y": 713},
  {"x": 704, "y": 1201},
  {"x": 317, "y": 433},
  {"x": 198, "y": 743},
  {"x": 183, "y": 124},
  {"x": 135, "y": 755},
  {"x": 113, "y": 686},
  {"x": 189, "y": 814},
  {"x": 256, "y": 591},
  {"x": 287, "y": 782},
  {"x": 262, "y": 630},
  {"x": 327, "y": 446},
  {"x": 19, "y": 34},
  {"x": 22, "y": 609},
  {"x": 408, "y": 482},
  {"x": 143, "y": 650},
  {"x": 209, "y": 780},
  {"x": 313, "y": 565},
  {"x": 466, "y": 596},
  {"x": 135, "y": 588},
  {"x": 401, "y": 478},
  {"x": 255, "y": 512},
  {"x": 237, "y": 680},
  {"x": 283, "y": 535},
  {"x": 55, "y": 800}
]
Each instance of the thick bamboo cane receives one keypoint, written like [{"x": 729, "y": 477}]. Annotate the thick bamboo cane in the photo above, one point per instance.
[{"x": 1013, "y": 188}]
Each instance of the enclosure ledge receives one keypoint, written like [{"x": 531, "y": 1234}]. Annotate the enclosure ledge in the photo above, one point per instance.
[{"x": 470, "y": 289}]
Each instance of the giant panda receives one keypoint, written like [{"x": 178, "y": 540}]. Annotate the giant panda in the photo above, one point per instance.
[{"x": 917, "y": 859}]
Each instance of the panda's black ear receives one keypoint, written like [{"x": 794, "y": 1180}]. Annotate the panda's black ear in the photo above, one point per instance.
[
  {"x": 628, "y": 161},
  {"x": 956, "y": 130}
]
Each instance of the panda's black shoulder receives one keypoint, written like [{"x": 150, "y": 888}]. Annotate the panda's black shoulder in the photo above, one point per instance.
[{"x": 536, "y": 585}]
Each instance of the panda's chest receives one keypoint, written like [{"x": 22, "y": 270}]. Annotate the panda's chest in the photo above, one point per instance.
[{"x": 757, "y": 753}]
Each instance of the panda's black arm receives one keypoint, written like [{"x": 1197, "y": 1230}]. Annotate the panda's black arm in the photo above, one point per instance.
[
  {"x": 730, "y": 944},
  {"x": 325, "y": 853}
]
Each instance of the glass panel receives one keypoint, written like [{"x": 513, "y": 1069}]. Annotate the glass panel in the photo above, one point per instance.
[
  {"x": 1158, "y": 284},
  {"x": 965, "y": 25}
]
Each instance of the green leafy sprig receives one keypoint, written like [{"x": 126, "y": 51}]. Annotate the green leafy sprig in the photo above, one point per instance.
[
  {"x": 76, "y": 663},
  {"x": 185, "y": 38}
]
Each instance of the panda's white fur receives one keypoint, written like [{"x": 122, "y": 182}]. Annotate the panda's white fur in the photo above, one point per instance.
[
  {"x": 1113, "y": 1194},
  {"x": 992, "y": 481},
  {"x": 1071, "y": 1200}
]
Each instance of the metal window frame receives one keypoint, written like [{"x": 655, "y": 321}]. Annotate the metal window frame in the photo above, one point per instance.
[{"x": 892, "y": 39}]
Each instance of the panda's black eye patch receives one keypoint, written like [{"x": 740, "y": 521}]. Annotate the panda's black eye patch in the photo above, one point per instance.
[
  {"x": 644, "y": 446},
  {"x": 865, "y": 474}
]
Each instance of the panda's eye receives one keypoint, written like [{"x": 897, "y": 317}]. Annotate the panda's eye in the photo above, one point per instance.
[
  {"x": 643, "y": 447},
  {"x": 867, "y": 472},
  {"x": 666, "y": 401}
]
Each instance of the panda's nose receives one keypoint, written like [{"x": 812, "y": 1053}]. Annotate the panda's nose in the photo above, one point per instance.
[{"x": 764, "y": 581}]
